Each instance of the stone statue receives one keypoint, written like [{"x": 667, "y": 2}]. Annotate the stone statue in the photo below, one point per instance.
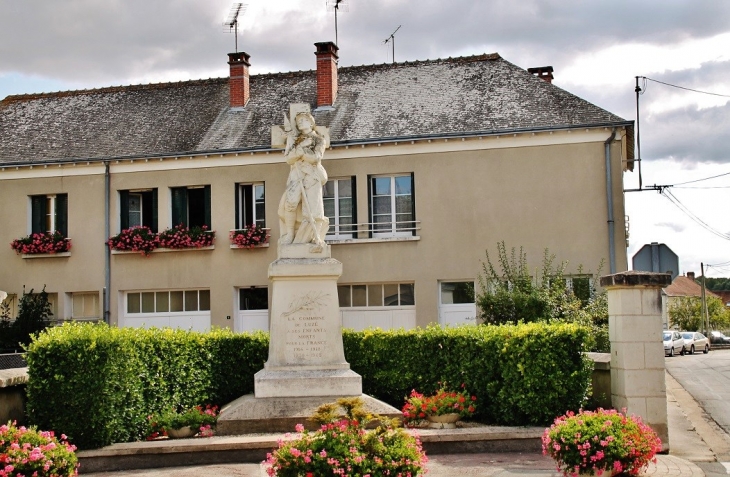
[{"x": 301, "y": 209}]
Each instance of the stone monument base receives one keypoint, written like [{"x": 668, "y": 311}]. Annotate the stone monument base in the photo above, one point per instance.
[
  {"x": 249, "y": 414},
  {"x": 307, "y": 383}
]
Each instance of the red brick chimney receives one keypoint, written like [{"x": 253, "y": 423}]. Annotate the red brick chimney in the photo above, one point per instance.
[
  {"x": 691, "y": 275},
  {"x": 545, "y": 73},
  {"x": 326, "y": 73},
  {"x": 238, "y": 82}
]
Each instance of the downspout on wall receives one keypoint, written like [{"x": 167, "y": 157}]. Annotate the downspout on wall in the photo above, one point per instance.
[
  {"x": 609, "y": 200},
  {"x": 107, "y": 255}
]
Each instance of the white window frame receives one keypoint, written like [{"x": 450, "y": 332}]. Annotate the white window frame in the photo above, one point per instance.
[
  {"x": 156, "y": 311},
  {"x": 243, "y": 197},
  {"x": 393, "y": 231},
  {"x": 335, "y": 232}
]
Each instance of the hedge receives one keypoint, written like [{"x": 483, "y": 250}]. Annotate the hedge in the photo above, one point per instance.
[{"x": 98, "y": 384}]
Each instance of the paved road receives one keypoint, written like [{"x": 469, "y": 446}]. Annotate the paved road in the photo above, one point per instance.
[{"x": 707, "y": 378}]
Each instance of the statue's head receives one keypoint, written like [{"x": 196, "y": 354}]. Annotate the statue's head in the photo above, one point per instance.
[{"x": 305, "y": 122}]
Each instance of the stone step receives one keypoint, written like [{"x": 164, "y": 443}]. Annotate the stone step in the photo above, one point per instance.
[{"x": 252, "y": 448}]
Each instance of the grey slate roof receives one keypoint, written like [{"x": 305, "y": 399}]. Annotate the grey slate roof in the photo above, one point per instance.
[{"x": 477, "y": 94}]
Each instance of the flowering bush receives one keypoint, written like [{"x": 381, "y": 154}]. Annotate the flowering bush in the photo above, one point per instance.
[
  {"x": 184, "y": 237},
  {"x": 42, "y": 242},
  {"x": 198, "y": 417},
  {"x": 137, "y": 239},
  {"x": 249, "y": 237},
  {"x": 419, "y": 407},
  {"x": 595, "y": 442},
  {"x": 344, "y": 447},
  {"x": 29, "y": 452}
]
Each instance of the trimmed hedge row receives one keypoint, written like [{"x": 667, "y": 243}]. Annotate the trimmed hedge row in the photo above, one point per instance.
[
  {"x": 521, "y": 374},
  {"x": 98, "y": 384}
]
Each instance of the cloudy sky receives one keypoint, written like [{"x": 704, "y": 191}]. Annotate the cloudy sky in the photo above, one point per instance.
[{"x": 597, "y": 48}]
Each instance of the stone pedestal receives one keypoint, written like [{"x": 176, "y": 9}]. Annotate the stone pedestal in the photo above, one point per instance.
[
  {"x": 637, "y": 351},
  {"x": 306, "y": 366}
]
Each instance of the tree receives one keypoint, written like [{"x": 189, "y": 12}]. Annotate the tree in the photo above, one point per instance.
[
  {"x": 34, "y": 313},
  {"x": 511, "y": 294},
  {"x": 686, "y": 313}
]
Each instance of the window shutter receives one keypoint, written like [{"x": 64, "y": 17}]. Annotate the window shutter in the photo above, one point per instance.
[
  {"x": 206, "y": 193},
  {"x": 354, "y": 208},
  {"x": 153, "y": 222},
  {"x": 179, "y": 205},
  {"x": 413, "y": 204},
  {"x": 123, "y": 209},
  {"x": 370, "y": 206},
  {"x": 62, "y": 214},
  {"x": 38, "y": 213},
  {"x": 238, "y": 207}
]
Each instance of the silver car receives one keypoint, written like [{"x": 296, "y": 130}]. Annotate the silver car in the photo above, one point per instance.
[
  {"x": 695, "y": 341},
  {"x": 673, "y": 343}
]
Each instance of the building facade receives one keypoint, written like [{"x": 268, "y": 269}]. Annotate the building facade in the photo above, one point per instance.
[{"x": 430, "y": 164}]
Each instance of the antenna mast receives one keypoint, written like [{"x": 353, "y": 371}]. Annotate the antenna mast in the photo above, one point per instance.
[
  {"x": 336, "y": 5},
  {"x": 391, "y": 38},
  {"x": 232, "y": 20}
]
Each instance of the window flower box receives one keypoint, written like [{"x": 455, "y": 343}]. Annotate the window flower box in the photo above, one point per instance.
[
  {"x": 181, "y": 236},
  {"x": 42, "y": 243},
  {"x": 143, "y": 240},
  {"x": 252, "y": 236},
  {"x": 135, "y": 239}
]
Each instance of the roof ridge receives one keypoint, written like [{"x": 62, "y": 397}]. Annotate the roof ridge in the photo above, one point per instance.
[
  {"x": 281, "y": 74},
  {"x": 111, "y": 89}
]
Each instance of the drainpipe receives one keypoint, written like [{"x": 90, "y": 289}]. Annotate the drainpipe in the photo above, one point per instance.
[
  {"x": 107, "y": 257},
  {"x": 609, "y": 199}
]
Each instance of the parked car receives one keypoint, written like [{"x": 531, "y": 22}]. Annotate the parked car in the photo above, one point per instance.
[
  {"x": 694, "y": 340},
  {"x": 719, "y": 338},
  {"x": 673, "y": 343}
]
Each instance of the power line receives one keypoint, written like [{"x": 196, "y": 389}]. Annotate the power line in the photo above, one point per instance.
[
  {"x": 677, "y": 203},
  {"x": 687, "y": 89},
  {"x": 705, "y": 179}
]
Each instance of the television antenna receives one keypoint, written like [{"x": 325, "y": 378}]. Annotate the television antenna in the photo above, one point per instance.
[
  {"x": 391, "y": 39},
  {"x": 337, "y": 5},
  {"x": 232, "y": 20}
]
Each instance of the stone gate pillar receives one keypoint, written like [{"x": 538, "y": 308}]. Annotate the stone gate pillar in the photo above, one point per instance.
[{"x": 637, "y": 351}]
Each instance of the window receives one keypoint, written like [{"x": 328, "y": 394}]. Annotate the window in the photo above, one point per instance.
[
  {"x": 49, "y": 213},
  {"x": 9, "y": 307},
  {"x": 168, "y": 301},
  {"x": 191, "y": 206},
  {"x": 138, "y": 207},
  {"x": 253, "y": 298},
  {"x": 339, "y": 206},
  {"x": 250, "y": 205},
  {"x": 376, "y": 294},
  {"x": 457, "y": 293},
  {"x": 582, "y": 287},
  {"x": 85, "y": 306},
  {"x": 392, "y": 205}
]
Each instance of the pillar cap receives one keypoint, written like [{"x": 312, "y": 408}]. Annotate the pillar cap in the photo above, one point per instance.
[{"x": 633, "y": 278}]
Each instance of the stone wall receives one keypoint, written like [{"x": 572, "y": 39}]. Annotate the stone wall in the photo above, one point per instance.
[{"x": 12, "y": 395}]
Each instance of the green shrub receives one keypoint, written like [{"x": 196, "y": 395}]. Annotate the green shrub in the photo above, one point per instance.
[
  {"x": 521, "y": 374},
  {"x": 98, "y": 384}
]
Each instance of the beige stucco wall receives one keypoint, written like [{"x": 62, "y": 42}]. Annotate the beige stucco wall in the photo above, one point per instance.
[{"x": 468, "y": 197}]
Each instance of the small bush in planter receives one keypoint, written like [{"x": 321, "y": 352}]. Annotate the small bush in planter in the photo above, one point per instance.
[
  {"x": 198, "y": 418},
  {"x": 344, "y": 447},
  {"x": 442, "y": 402},
  {"x": 601, "y": 441},
  {"x": 30, "y": 452}
]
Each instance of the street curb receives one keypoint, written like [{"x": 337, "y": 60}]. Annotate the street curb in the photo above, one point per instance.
[{"x": 705, "y": 426}]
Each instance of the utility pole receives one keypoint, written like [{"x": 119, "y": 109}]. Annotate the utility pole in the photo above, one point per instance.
[{"x": 705, "y": 315}]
